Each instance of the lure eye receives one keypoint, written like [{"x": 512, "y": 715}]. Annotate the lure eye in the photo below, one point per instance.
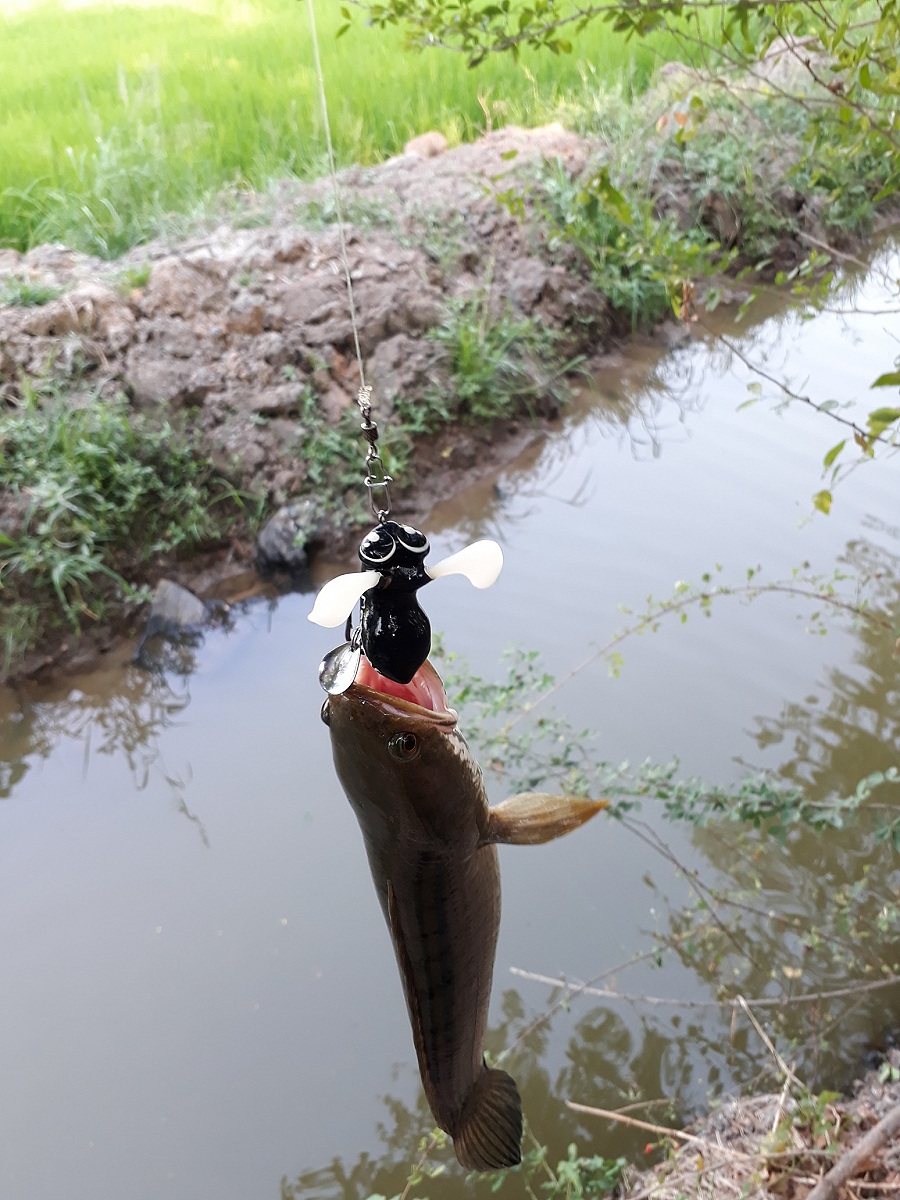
[
  {"x": 377, "y": 546},
  {"x": 404, "y": 746},
  {"x": 325, "y": 712},
  {"x": 412, "y": 539}
]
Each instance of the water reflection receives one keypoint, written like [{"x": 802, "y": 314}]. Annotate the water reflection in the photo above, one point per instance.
[
  {"x": 122, "y": 713},
  {"x": 804, "y": 928},
  {"x": 851, "y": 724}
]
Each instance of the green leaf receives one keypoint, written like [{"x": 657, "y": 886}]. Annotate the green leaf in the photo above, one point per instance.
[
  {"x": 891, "y": 379},
  {"x": 833, "y": 453},
  {"x": 883, "y": 417},
  {"x": 822, "y": 501}
]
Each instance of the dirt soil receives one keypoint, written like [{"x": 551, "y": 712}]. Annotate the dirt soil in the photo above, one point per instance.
[{"x": 229, "y": 329}]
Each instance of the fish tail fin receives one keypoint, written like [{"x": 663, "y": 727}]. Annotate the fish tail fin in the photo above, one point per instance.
[{"x": 488, "y": 1136}]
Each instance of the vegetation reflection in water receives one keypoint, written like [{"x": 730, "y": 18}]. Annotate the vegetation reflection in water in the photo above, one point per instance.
[
  {"x": 127, "y": 722},
  {"x": 802, "y": 913},
  {"x": 803, "y": 926}
]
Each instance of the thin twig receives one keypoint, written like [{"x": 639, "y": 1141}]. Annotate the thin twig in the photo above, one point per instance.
[
  {"x": 858, "y": 431},
  {"x": 713, "y": 592},
  {"x": 423, "y": 1159},
  {"x": 635, "y": 1123},
  {"x": 769, "y": 1044},
  {"x": 575, "y": 989}
]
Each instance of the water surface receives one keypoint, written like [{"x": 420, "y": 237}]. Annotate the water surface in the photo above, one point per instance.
[{"x": 199, "y": 995}]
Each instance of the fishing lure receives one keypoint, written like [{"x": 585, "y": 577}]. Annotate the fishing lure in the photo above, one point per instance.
[{"x": 394, "y": 632}]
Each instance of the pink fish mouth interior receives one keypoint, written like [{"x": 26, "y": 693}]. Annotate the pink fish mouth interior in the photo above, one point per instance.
[{"x": 424, "y": 689}]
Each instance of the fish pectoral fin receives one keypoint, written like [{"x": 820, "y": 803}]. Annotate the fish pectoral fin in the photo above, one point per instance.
[
  {"x": 488, "y": 1136},
  {"x": 532, "y": 818}
]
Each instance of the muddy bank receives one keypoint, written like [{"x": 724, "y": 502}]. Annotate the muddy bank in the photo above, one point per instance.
[
  {"x": 229, "y": 332},
  {"x": 241, "y": 339}
]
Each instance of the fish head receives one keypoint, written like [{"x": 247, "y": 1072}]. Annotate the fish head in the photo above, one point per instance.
[{"x": 398, "y": 751}]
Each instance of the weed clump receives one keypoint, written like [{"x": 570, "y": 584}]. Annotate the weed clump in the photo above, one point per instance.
[
  {"x": 499, "y": 365},
  {"x": 27, "y": 293},
  {"x": 88, "y": 492}
]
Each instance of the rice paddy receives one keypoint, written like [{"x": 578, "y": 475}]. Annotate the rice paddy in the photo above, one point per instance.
[{"x": 114, "y": 116}]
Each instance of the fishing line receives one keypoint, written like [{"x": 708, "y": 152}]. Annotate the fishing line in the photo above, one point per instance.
[
  {"x": 376, "y": 477},
  {"x": 326, "y": 124}
]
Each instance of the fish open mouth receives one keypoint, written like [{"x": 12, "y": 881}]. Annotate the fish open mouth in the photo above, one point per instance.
[{"x": 424, "y": 690}]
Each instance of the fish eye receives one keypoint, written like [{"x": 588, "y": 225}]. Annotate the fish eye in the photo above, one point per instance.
[
  {"x": 377, "y": 546},
  {"x": 404, "y": 746},
  {"x": 412, "y": 539},
  {"x": 325, "y": 712}
]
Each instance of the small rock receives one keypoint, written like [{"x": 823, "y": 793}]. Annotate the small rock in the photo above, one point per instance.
[
  {"x": 426, "y": 145},
  {"x": 175, "y": 610},
  {"x": 246, "y": 315},
  {"x": 333, "y": 401},
  {"x": 527, "y": 280},
  {"x": 284, "y": 539},
  {"x": 157, "y": 379},
  {"x": 278, "y": 401},
  {"x": 176, "y": 617}
]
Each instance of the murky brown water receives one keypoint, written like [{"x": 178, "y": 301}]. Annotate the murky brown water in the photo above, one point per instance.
[{"x": 199, "y": 997}]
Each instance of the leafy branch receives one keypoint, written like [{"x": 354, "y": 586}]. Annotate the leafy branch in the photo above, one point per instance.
[{"x": 550, "y": 748}]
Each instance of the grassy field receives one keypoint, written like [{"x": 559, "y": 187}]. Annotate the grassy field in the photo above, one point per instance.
[{"x": 114, "y": 115}]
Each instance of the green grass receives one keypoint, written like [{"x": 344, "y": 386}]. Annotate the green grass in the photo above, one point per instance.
[
  {"x": 26, "y": 293},
  {"x": 500, "y": 364},
  {"x": 112, "y": 116},
  {"x": 100, "y": 492}
]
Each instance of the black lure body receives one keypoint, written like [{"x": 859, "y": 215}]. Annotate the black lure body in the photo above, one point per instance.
[{"x": 394, "y": 630}]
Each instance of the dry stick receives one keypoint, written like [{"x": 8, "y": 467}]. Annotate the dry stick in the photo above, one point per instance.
[
  {"x": 833, "y": 251},
  {"x": 648, "y": 1125},
  {"x": 769, "y": 1044},
  {"x": 575, "y": 989},
  {"x": 828, "y": 1187}
]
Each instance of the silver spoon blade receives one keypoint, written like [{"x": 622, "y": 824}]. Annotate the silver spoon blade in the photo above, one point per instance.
[{"x": 338, "y": 668}]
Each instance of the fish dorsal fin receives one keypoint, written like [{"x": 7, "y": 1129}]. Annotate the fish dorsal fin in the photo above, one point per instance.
[
  {"x": 489, "y": 1134},
  {"x": 532, "y": 818}
]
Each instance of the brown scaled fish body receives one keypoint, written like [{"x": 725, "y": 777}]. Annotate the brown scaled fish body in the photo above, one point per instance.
[{"x": 430, "y": 837}]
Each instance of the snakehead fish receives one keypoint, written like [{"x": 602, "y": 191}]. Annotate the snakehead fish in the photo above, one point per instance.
[{"x": 430, "y": 836}]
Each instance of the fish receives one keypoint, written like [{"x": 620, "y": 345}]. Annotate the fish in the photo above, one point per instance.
[{"x": 431, "y": 840}]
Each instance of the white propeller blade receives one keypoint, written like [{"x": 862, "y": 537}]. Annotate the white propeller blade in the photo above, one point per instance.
[
  {"x": 335, "y": 601},
  {"x": 481, "y": 563}
]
